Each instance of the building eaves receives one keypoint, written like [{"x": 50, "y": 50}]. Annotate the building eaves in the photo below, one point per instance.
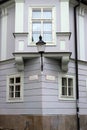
[
  {"x": 83, "y": 1},
  {"x": 3, "y": 1}
]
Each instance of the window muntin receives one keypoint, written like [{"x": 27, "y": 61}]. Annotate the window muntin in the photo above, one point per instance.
[
  {"x": 67, "y": 87},
  {"x": 15, "y": 87},
  {"x": 42, "y": 21}
]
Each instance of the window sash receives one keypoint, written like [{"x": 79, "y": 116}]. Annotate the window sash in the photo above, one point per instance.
[
  {"x": 13, "y": 92},
  {"x": 67, "y": 90},
  {"x": 42, "y": 28},
  {"x": 44, "y": 17}
]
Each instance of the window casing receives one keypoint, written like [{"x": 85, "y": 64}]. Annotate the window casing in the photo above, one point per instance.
[
  {"x": 67, "y": 87},
  {"x": 42, "y": 22},
  {"x": 15, "y": 88}
]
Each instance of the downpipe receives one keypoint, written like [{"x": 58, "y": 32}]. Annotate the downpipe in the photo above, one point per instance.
[{"x": 76, "y": 66}]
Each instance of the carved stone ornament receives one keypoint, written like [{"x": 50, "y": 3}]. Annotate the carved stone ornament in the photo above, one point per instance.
[{"x": 19, "y": 63}]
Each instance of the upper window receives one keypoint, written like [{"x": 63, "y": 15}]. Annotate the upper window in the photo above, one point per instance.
[
  {"x": 14, "y": 88},
  {"x": 67, "y": 87},
  {"x": 42, "y": 20}
]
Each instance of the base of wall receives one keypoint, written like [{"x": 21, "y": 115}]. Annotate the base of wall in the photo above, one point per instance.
[{"x": 31, "y": 122}]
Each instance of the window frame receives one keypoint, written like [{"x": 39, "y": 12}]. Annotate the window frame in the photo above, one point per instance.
[
  {"x": 15, "y": 99},
  {"x": 66, "y": 97},
  {"x": 53, "y": 24}
]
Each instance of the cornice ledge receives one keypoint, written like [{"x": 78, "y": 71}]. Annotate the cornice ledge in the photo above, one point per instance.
[
  {"x": 7, "y": 4},
  {"x": 63, "y": 56},
  {"x": 19, "y": 1},
  {"x": 19, "y": 63},
  {"x": 73, "y": 2},
  {"x": 64, "y": 34},
  {"x": 18, "y": 34}
]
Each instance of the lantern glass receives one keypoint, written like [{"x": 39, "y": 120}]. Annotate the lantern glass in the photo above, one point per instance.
[{"x": 40, "y": 45}]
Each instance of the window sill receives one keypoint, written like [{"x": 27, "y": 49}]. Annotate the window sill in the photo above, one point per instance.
[
  {"x": 14, "y": 100},
  {"x": 67, "y": 98}
]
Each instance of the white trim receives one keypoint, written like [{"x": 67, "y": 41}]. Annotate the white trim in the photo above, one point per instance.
[
  {"x": 81, "y": 34},
  {"x": 19, "y": 15},
  {"x": 64, "y": 9},
  {"x": 3, "y": 33},
  {"x": 19, "y": 1},
  {"x": 20, "y": 45},
  {"x": 21, "y": 91},
  {"x": 60, "y": 87},
  {"x": 53, "y": 24},
  {"x": 62, "y": 45}
]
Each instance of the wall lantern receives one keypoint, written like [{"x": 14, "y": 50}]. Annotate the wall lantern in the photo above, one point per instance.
[{"x": 41, "y": 49}]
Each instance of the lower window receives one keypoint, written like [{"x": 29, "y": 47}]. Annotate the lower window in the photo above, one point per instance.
[
  {"x": 15, "y": 87},
  {"x": 67, "y": 87}
]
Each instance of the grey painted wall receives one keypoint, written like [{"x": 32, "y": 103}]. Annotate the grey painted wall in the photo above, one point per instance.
[{"x": 41, "y": 96}]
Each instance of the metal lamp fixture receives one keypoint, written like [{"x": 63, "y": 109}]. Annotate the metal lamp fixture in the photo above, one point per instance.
[{"x": 41, "y": 49}]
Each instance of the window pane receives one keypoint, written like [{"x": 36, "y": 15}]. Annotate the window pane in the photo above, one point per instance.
[
  {"x": 17, "y": 94},
  {"x": 70, "y": 82},
  {"x": 11, "y": 88},
  {"x": 64, "y": 91},
  {"x": 47, "y": 37},
  {"x": 47, "y": 14},
  {"x": 35, "y": 37},
  {"x": 47, "y": 27},
  {"x": 36, "y": 31},
  {"x": 36, "y": 13},
  {"x": 17, "y": 79},
  {"x": 11, "y": 91},
  {"x": 70, "y": 91},
  {"x": 17, "y": 88},
  {"x": 70, "y": 86},
  {"x": 11, "y": 80},
  {"x": 64, "y": 81},
  {"x": 11, "y": 94},
  {"x": 36, "y": 26},
  {"x": 64, "y": 86}
]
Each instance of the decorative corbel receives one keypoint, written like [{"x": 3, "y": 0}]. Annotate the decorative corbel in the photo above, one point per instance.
[
  {"x": 19, "y": 63},
  {"x": 64, "y": 62}
]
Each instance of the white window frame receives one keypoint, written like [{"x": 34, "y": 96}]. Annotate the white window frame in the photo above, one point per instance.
[
  {"x": 53, "y": 24},
  {"x": 18, "y": 99},
  {"x": 62, "y": 97}
]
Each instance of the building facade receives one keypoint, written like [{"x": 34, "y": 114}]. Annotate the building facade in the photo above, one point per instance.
[{"x": 55, "y": 98}]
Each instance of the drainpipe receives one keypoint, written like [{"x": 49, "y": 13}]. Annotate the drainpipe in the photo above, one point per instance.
[{"x": 76, "y": 66}]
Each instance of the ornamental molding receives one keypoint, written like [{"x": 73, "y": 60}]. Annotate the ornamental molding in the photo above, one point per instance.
[
  {"x": 65, "y": 35},
  {"x": 63, "y": 57},
  {"x": 20, "y": 34},
  {"x": 81, "y": 11},
  {"x": 19, "y": 63},
  {"x": 64, "y": 63},
  {"x": 7, "y": 4}
]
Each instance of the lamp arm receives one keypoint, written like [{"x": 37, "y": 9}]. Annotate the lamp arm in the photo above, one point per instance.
[{"x": 41, "y": 61}]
